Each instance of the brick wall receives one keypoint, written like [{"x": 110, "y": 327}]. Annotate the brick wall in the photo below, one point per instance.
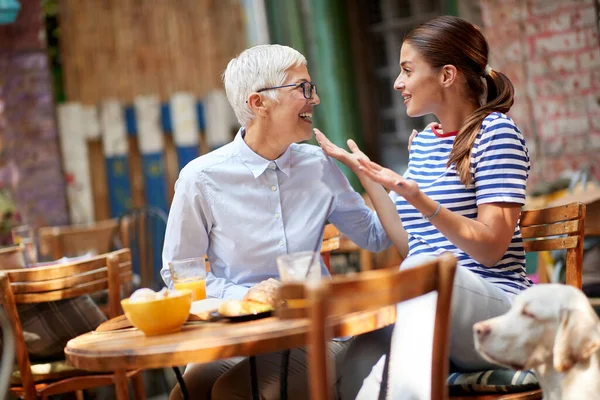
[
  {"x": 551, "y": 52},
  {"x": 28, "y": 136}
]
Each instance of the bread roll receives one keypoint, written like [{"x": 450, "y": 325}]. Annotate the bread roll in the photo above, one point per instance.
[{"x": 231, "y": 308}]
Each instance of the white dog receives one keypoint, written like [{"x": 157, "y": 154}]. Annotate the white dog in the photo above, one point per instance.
[{"x": 553, "y": 330}]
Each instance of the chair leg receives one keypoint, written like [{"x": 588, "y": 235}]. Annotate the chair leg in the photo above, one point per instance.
[
  {"x": 138, "y": 386},
  {"x": 79, "y": 395},
  {"x": 254, "y": 378},
  {"x": 120, "y": 379}
]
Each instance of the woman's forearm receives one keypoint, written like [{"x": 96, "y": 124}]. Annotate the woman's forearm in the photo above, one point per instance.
[
  {"x": 387, "y": 214},
  {"x": 477, "y": 239}
]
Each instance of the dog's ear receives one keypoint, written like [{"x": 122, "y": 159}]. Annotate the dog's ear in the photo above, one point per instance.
[{"x": 577, "y": 337}]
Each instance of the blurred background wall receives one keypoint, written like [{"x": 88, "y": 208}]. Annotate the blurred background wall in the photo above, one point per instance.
[
  {"x": 138, "y": 91},
  {"x": 30, "y": 160}
]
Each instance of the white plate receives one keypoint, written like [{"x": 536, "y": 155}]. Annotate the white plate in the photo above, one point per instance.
[{"x": 205, "y": 305}]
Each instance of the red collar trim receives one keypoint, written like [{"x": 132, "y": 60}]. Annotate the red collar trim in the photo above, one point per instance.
[{"x": 444, "y": 134}]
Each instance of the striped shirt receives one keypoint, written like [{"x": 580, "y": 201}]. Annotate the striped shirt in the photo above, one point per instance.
[{"x": 499, "y": 166}]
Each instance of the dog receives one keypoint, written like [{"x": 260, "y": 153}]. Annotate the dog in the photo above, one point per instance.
[{"x": 553, "y": 330}]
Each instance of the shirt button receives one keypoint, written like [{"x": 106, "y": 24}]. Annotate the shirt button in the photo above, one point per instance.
[
  {"x": 272, "y": 165},
  {"x": 277, "y": 216},
  {"x": 281, "y": 242},
  {"x": 273, "y": 188}
]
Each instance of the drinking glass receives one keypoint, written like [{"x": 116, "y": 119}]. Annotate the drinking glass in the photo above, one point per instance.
[
  {"x": 190, "y": 274},
  {"x": 298, "y": 266},
  {"x": 24, "y": 235},
  {"x": 295, "y": 267}
]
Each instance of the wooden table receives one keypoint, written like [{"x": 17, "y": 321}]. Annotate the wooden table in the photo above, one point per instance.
[{"x": 202, "y": 342}]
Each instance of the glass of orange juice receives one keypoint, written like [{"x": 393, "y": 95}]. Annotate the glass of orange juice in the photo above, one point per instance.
[{"x": 190, "y": 274}]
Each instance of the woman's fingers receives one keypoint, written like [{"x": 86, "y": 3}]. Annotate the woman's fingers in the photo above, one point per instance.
[
  {"x": 321, "y": 138},
  {"x": 352, "y": 146},
  {"x": 370, "y": 164},
  {"x": 329, "y": 148}
]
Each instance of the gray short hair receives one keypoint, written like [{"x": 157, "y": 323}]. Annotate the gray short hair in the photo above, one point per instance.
[{"x": 256, "y": 68}]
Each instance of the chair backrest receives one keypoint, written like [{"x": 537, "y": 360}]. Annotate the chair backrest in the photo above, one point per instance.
[
  {"x": 12, "y": 257},
  {"x": 557, "y": 228},
  {"x": 63, "y": 281},
  {"x": 331, "y": 242},
  {"x": 70, "y": 241},
  {"x": 143, "y": 231},
  {"x": 366, "y": 291}
]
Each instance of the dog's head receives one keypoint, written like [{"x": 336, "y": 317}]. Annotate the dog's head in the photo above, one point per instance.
[{"x": 547, "y": 324}]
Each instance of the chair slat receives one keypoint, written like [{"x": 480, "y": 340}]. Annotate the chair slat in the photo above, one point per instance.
[
  {"x": 61, "y": 283},
  {"x": 560, "y": 228},
  {"x": 551, "y": 215},
  {"x": 52, "y": 272},
  {"x": 330, "y": 231},
  {"x": 79, "y": 290},
  {"x": 330, "y": 244},
  {"x": 551, "y": 244}
]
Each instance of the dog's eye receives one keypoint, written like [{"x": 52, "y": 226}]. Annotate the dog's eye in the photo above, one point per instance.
[{"x": 527, "y": 314}]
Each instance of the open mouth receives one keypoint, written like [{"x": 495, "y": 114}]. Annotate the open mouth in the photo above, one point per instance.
[
  {"x": 307, "y": 117},
  {"x": 407, "y": 98}
]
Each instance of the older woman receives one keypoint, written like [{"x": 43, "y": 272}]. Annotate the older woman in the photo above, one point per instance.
[
  {"x": 462, "y": 193},
  {"x": 261, "y": 196}
]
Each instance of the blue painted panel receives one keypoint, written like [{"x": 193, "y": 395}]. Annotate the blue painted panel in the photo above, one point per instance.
[
  {"x": 186, "y": 154},
  {"x": 130, "y": 121},
  {"x": 200, "y": 111},
  {"x": 165, "y": 119},
  {"x": 154, "y": 180},
  {"x": 119, "y": 189}
]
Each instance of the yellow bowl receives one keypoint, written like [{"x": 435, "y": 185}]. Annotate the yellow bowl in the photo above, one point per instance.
[{"x": 157, "y": 317}]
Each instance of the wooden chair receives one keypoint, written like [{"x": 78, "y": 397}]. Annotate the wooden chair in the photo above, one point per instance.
[
  {"x": 12, "y": 257},
  {"x": 371, "y": 290},
  {"x": 555, "y": 228},
  {"x": 109, "y": 271},
  {"x": 70, "y": 241}
]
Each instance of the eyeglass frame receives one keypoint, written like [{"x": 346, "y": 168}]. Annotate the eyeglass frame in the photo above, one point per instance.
[{"x": 313, "y": 87}]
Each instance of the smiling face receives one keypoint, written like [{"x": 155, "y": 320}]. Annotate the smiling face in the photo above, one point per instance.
[
  {"x": 418, "y": 82},
  {"x": 292, "y": 113}
]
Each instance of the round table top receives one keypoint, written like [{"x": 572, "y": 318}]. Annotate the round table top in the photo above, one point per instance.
[{"x": 201, "y": 342}]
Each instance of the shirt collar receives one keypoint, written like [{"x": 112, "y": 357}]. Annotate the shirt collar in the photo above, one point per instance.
[{"x": 257, "y": 164}]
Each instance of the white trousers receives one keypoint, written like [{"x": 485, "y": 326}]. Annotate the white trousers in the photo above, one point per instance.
[{"x": 409, "y": 342}]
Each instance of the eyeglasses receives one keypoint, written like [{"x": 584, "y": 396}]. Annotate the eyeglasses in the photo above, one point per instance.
[{"x": 307, "y": 88}]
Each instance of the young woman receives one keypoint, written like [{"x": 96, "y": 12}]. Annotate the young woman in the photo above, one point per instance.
[{"x": 462, "y": 192}]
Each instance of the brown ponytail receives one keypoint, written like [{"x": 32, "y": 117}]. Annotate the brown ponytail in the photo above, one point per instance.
[{"x": 451, "y": 40}]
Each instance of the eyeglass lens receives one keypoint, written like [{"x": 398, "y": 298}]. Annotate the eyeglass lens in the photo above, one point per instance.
[{"x": 307, "y": 89}]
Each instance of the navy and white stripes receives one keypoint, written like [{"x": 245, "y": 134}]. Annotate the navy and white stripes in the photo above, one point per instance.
[{"x": 499, "y": 166}]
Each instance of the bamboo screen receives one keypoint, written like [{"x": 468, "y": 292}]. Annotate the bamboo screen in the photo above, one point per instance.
[{"x": 123, "y": 48}]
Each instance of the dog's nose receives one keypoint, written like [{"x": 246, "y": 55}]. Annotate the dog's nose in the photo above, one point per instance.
[{"x": 482, "y": 329}]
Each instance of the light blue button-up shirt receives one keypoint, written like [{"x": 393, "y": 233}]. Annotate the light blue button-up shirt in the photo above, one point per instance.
[{"x": 244, "y": 211}]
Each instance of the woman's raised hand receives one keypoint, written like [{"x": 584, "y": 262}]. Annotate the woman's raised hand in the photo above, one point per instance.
[
  {"x": 348, "y": 159},
  {"x": 389, "y": 179}
]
